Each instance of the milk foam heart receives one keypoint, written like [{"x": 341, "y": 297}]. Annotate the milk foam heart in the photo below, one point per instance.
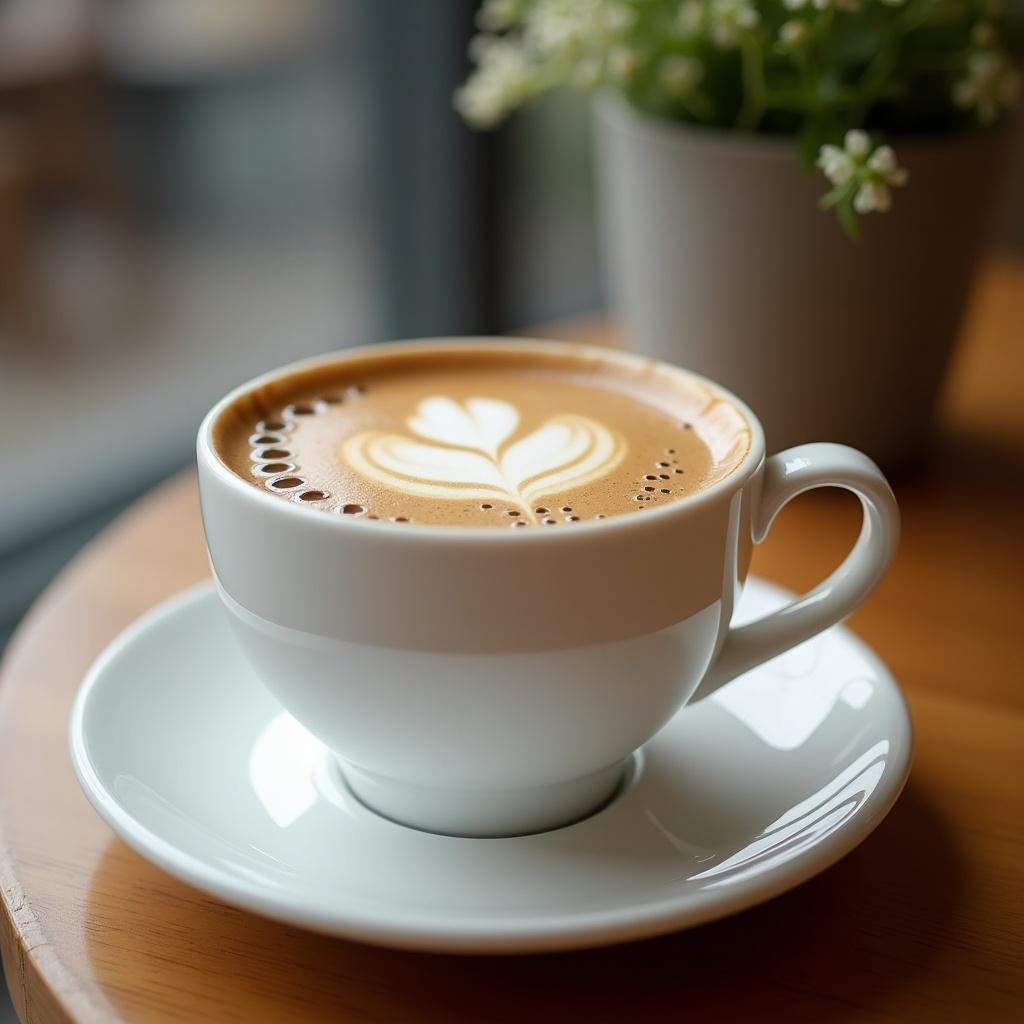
[{"x": 474, "y": 457}]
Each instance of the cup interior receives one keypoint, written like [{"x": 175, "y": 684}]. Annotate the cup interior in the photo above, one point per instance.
[{"x": 720, "y": 420}]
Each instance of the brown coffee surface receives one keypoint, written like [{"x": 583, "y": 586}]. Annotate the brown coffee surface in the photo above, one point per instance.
[{"x": 499, "y": 438}]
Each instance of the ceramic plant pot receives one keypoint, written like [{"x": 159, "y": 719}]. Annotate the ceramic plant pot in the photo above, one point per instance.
[{"x": 718, "y": 259}]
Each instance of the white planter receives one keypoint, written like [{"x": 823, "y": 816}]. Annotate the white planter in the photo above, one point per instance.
[{"x": 718, "y": 259}]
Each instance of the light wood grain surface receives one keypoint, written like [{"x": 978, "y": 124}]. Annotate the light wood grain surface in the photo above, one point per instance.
[{"x": 921, "y": 923}]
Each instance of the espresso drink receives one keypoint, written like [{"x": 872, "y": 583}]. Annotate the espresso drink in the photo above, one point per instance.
[{"x": 501, "y": 437}]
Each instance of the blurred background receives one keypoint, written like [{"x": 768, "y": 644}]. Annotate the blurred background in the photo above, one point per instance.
[{"x": 195, "y": 191}]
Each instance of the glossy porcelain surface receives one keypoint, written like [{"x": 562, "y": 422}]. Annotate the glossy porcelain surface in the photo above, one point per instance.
[
  {"x": 492, "y": 682},
  {"x": 737, "y": 799}
]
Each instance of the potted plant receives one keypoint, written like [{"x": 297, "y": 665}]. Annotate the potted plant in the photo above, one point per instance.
[{"x": 745, "y": 152}]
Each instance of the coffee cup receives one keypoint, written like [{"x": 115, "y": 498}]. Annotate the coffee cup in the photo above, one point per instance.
[{"x": 494, "y": 682}]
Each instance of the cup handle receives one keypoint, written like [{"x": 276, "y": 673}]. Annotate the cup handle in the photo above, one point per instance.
[{"x": 786, "y": 475}]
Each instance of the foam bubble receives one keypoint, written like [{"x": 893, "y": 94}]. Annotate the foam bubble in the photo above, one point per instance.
[
  {"x": 354, "y": 510},
  {"x": 298, "y": 409},
  {"x": 313, "y": 496},
  {"x": 286, "y": 483},
  {"x": 274, "y": 426},
  {"x": 273, "y": 468}
]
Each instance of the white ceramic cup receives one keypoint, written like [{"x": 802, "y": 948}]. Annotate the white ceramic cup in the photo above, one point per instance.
[{"x": 486, "y": 682}]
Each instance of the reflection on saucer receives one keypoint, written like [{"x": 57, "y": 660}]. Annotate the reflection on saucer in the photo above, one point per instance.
[
  {"x": 281, "y": 769},
  {"x": 785, "y": 701},
  {"x": 805, "y": 824}
]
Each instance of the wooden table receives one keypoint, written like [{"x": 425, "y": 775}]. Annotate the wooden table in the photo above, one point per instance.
[{"x": 921, "y": 923}]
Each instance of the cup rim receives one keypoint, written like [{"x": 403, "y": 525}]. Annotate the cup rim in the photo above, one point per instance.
[{"x": 440, "y": 532}]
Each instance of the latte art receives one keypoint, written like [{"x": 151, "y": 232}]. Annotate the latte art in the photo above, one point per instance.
[
  {"x": 474, "y": 455},
  {"x": 493, "y": 436}
]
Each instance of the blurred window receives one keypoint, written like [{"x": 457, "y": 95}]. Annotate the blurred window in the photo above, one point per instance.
[{"x": 195, "y": 192}]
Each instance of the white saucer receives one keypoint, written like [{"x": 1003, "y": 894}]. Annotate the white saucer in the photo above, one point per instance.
[{"x": 736, "y": 800}]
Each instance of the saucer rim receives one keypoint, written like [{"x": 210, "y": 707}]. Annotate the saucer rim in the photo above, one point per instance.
[{"x": 407, "y": 929}]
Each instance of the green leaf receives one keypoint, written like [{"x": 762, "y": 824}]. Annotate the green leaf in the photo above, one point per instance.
[
  {"x": 849, "y": 220},
  {"x": 836, "y": 195}
]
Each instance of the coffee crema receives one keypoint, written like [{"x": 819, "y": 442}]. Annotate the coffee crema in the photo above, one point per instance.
[{"x": 507, "y": 435}]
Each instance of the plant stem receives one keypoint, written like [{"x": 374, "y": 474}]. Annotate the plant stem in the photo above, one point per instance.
[
  {"x": 754, "y": 97},
  {"x": 807, "y": 83},
  {"x": 873, "y": 81}
]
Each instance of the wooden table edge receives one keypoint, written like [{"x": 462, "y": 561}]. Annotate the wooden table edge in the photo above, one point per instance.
[{"x": 23, "y": 939}]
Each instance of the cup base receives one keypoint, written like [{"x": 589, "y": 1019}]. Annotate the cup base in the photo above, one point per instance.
[{"x": 486, "y": 813}]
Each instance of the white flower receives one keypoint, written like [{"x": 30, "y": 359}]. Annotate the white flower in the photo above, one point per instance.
[
  {"x": 837, "y": 164},
  {"x": 793, "y": 33},
  {"x": 551, "y": 42},
  {"x": 623, "y": 63},
  {"x": 821, "y": 5},
  {"x": 728, "y": 19},
  {"x": 990, "y": 85},
  {"x": 872, "y": 195},
  {"x": 501, "y": 82},
  {"x": 857, "y": 143},
  {"x": 567, "y": 27},
  {"x": 617, "y": 19},
  {"x": 691, "y": 18},
  {"x": 496, "y": 15},
  {"x": 680, "y": 75},
  {"x": 883, "y": 163},
  {"x": 556, "y": 28},
  {"x": 873, "y": 173}
]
